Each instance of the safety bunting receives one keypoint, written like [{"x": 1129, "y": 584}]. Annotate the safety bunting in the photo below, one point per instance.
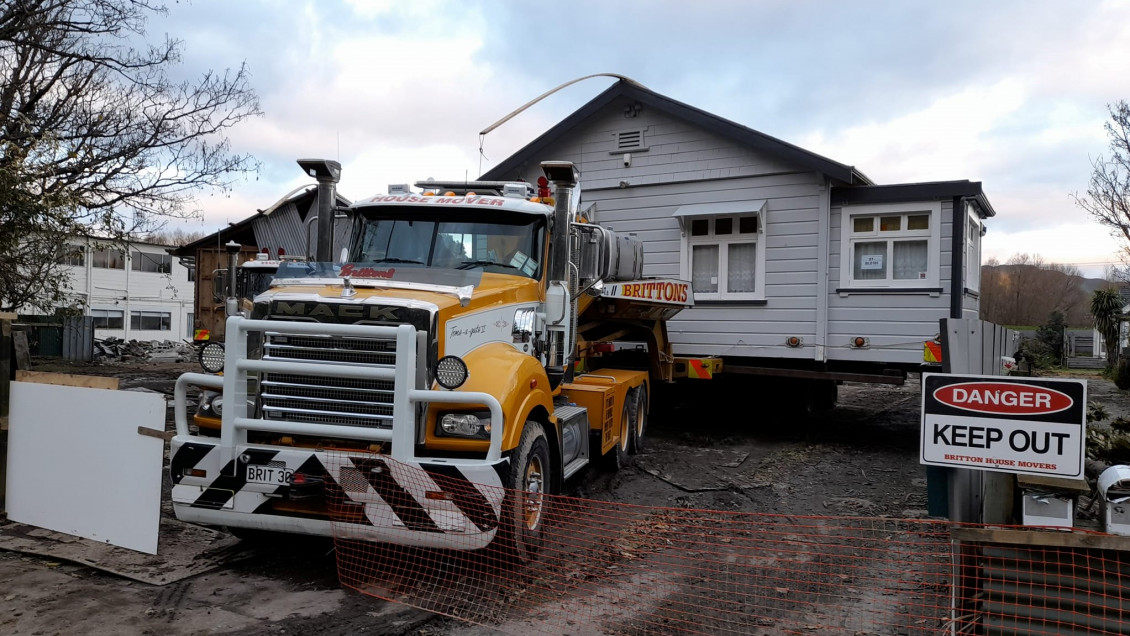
[{"x": 599, "y": 567}]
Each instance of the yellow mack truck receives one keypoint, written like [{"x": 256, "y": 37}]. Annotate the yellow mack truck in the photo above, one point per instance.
[{"x": 449, "y": 367}]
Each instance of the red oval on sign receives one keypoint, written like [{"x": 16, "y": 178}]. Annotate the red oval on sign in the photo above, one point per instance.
[{"x": 1003, "y": 398}]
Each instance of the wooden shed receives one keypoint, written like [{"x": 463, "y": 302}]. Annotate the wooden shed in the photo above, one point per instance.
[{"x": 286, "y": 228}]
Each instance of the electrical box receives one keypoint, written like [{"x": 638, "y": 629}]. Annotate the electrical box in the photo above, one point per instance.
[
  {"x": 1047, "y": 509},
  {"x": 1114, "y": 488}
]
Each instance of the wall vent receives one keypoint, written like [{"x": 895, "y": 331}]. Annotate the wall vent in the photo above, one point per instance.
[{"x": 629, "y": 139}]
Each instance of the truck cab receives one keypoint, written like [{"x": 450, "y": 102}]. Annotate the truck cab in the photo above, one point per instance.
[{"x": 429, "y": 387}]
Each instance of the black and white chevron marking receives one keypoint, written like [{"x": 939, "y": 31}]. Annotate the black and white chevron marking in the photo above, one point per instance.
[{"x": 395, "y": 492}]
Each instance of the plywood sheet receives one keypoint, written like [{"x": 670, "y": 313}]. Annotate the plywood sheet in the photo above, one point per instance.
[
  {"x": 77, "y": 465},
  {"x": 67, "y": 379}
]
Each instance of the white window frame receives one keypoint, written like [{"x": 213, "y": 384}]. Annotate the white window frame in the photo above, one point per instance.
[
  {"x": 974, "y": 230},
  {"x": 107, "y": 314},
  {"x": 142, "y": 314},
  {"x": 686, "y": 218},
  {"x": 848, "y": 239}
]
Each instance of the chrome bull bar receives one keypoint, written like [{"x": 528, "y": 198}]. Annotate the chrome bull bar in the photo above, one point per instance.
[{"x": 236, "y": 420}]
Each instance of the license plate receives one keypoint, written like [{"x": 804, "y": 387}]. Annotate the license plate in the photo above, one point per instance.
[{"x": 269, "y": 475}]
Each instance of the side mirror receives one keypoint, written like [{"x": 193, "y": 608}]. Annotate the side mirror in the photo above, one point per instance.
[
  {"x": 219, "y": 285},
  {"x": 596, "y": 289}
]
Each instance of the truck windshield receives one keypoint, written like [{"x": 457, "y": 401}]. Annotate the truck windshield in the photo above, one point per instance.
[
  {"x": 255, "y": 282},
  {"x": 500, "y": 244}
]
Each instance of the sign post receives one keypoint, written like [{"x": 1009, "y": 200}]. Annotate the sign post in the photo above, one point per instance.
[{"x": 1012, "y": 425}]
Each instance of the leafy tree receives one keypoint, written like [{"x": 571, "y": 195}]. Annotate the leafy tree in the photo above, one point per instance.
[
  {"x": 1106, "y": 310},
  {"x": 1108, "y": 195},
  {"x": 1045, "y": 348},
  {"x": 96, "y": 138},
  {"x": 1050, "y": 334}
]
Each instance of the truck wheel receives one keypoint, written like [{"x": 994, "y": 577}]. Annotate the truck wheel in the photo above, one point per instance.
[
  {"x": 637, "y": 413},
  {"x": 617, "y": 458},
  {"x": 524, "y": 513}
]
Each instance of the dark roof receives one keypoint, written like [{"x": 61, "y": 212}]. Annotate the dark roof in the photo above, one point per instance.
[
  {"x": 915, "y": 191},
  {"x": 510, "y": 166},
  {"x": 242, "y": 231}
]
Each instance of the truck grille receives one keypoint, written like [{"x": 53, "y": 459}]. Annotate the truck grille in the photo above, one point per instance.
[{"x": 312, "y": 398}]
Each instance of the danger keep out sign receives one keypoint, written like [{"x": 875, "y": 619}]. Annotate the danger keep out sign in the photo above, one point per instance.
[{"x": 1014, "y": 425}]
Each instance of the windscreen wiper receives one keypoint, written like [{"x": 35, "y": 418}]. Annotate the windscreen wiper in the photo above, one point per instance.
[
  {"x": 398, "y": 260},
  {"x": 470, "y": 264}
]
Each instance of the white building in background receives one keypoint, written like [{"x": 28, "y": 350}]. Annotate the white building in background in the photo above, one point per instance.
[{"x": 137, "y": 293}]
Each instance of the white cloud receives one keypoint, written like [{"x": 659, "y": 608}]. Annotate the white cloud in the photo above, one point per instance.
[
  {"x": 944, "y": 141},
  {"x": 397, "y": 91},
  {"x": 1086, "y": 246}
]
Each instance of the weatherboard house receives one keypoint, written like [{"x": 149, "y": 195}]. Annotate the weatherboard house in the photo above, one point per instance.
[{"x": 793, "y": 257}]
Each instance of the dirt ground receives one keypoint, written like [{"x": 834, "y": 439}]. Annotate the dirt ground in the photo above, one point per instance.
[{"x": 719, "y": 447}]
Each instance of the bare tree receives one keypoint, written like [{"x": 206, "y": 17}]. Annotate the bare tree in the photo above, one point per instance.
[
  {"x": 95, "y": 137},
  {"x": 1027, "y": 289},
  {"x": 1108, "y": 195},
  {"x": 175, "y": 237}
]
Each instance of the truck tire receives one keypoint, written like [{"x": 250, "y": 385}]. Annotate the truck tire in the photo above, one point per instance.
[
  {"x": 637, "y": 413},
  {"x": 617, "y": 458},
  {"x": 524, "y": 511}
]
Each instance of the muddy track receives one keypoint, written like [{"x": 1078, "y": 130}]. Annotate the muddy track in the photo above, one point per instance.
[{"x": 716, "y": 448}]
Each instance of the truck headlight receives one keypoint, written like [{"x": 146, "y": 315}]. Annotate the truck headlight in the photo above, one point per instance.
[
  {"x": 211, "y": 404},
  {"x": 451, "y": 372},
  {"x": 212, "y": 357},
  {"x": 472, "y": 425}
]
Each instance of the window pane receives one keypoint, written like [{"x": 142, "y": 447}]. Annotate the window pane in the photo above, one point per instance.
[
  {"x": 723, "y": 226},
  {"x": 166, "y": 321},
  {"x": 863, "y": 224},
  {"x": 911, "y": 260},
  {"x": 700, "y": 227},
  {"x": 890, "y": 223},
  {"x": 71, "y": 255},
  {"x": 108, "y": 258},
  {"x": 918, "y": 222},
  {"x": 870, "y": 261},
  {"x": 704, "y": 269},
  {"x": 740, "y": 263},
  {"x": 135, "y": 320},
  {"x": 747, "y": 225},
  {"x": 115, "y": 319}
]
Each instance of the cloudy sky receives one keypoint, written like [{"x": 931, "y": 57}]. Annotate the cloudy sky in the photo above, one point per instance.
[{"x": 1010, "y": 93}]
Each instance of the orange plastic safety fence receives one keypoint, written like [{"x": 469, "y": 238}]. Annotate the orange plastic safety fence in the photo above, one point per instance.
[{"x": 560, "y": 565}]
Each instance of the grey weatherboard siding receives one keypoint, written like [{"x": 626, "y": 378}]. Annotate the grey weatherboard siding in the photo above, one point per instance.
[{"x": 691, "y": 157}]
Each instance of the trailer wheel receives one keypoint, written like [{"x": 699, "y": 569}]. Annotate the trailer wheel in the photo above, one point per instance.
[
  {"x": 525, "y": 510},
  {"x": 617, "y": 458},
  {"x": 637, "y": 413}
]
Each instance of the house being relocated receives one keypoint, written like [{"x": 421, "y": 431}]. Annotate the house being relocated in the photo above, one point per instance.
[
  {"x": 287, "y": 228},
  {"x": 801, "y": 266}
]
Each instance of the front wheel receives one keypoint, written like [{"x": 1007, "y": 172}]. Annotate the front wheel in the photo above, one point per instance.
[{"x": 524, "y": 513}]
